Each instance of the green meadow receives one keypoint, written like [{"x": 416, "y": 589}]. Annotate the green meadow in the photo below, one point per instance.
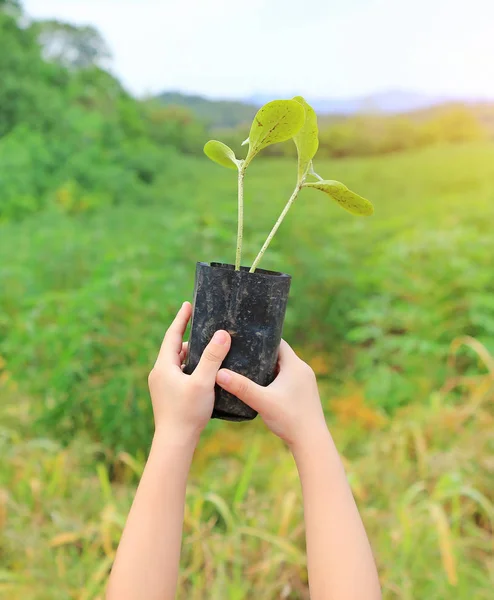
[{"x": 395, "y": 313}]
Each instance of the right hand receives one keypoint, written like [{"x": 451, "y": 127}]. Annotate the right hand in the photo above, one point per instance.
[
  {"x": 290, "y": 406},
  {"x": 182, "y": 404}
]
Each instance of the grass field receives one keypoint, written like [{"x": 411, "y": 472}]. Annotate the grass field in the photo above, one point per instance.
[{"x": 375, "y": 306}]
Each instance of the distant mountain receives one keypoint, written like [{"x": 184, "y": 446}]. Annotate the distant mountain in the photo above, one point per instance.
[
  {"x": 388, "y": 102},
  {"x": 216, "y": 113},
  {"x": 230, "y": 113}
]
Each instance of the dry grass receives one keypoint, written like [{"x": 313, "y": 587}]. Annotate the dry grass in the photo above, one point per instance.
[{"x": 424, "y": 482}]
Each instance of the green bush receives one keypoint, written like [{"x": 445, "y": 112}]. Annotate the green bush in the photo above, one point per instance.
[
  {"x": 71, "y": 138},
  {"x": 376, "y": 134}
]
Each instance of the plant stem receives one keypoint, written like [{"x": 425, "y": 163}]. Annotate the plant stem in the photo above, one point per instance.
[
  {"x": 240, "y": 232},
  {"x": 276, "y": 227}
]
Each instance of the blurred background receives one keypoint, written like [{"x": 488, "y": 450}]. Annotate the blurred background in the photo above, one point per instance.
[{"x": 106, "y": 203}]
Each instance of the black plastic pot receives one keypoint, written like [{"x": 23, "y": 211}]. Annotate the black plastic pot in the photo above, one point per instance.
[{"x": 251, "y": 307}]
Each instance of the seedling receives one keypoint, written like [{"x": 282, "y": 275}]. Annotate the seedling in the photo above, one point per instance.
[{"x": 279, "y": 121}]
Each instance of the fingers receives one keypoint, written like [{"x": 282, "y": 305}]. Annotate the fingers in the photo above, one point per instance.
[
  {"x": 286, "y": 350},
  {"x": 286, "y": 355},
  {"x": 249, "y": 392},
  {"x": 172, "y": 343},
  {"x": 183, "y": 354},
  {"x": 212, "y": 357}
]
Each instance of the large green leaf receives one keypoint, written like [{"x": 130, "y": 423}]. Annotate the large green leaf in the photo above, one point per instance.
[
  {"x": 307, "y": 139},
  {"x": 221, "y": 153},
  {"x": 275, "y": 122},
  {"x": 347, "y": 199}
]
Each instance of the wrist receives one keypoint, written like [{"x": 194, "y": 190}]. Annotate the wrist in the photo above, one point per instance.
[
  {"x": 309, "y": 440},
  {"x": 170, "y": 456},
  {"x": 173, "y": 436}
]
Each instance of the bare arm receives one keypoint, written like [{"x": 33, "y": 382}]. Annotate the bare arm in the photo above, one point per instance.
[
  {"x": 340, "y": 561},
  {"x": 147, "y": 561}
]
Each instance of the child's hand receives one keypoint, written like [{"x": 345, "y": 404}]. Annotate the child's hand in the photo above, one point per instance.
[
  {"x": 182, "y": 404},
  {"x": 290, "y": 406}
]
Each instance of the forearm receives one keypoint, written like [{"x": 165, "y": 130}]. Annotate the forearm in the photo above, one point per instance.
[
  {"x": 340, "y": 561},
  {"x": 147, "y": 561}
]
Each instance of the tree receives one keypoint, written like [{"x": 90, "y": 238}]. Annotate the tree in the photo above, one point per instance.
[
  {"x": 22, "y": 75},
  {"x": 71, "y": 46},
  {"x": 174, "y": 126},
  {"x": 11, "y": 6}
]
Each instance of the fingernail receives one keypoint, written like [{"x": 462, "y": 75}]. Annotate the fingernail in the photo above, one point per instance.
[
  {"x": 223, "y": 377},
  {"x": 220, "y": 338}
]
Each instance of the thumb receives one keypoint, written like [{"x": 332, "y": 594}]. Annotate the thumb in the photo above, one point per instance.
[
  {"x": 212, "y": 357},
  {"x": 246, "y": 390}
]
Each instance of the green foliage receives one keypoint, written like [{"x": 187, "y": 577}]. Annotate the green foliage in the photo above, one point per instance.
[
  {"x": 220, "y": 153},
  {"x": 70, "y": 45},
  {"x": 173, "y": 126},
  {"x": 454, "y": 124},
  {"x": 366, "y": 135},
  {"x": 86, "y": 298},
  {"x": 347, "y": 199},
  {"x": 306, "y": 140},
  {"x": 92, "y": 152},
  {"x": 216, "y": 113},
  {"x": 71, "y": 138},
  {"x": 277, "y": 121},
  {"x": 27, "y": 93},
  {"x": 9, "y": 5}
]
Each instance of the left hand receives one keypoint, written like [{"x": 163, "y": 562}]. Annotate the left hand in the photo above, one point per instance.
[{"x": 183, "y": 404}]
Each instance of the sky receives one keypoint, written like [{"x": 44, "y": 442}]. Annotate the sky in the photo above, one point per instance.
[{"x": 318, "y": 48}]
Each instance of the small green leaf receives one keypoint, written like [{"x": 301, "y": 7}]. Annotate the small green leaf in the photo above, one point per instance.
[
  {"x": 347, "y": 199},
  {"x": 221, "y": 153},
  {"x": 275, "y": 122},
  {"x": 307, "y": 139}
]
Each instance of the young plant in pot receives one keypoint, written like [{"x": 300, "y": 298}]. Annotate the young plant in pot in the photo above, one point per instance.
[{"x": 249, "y": 302}]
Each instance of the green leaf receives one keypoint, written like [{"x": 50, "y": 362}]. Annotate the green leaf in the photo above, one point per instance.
[
  {"x": 307, "y": 139},
  {"x": 275, "y": 122},
  {"x": 221, "y": 153},
  {"x": 347, "y": 199}
]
